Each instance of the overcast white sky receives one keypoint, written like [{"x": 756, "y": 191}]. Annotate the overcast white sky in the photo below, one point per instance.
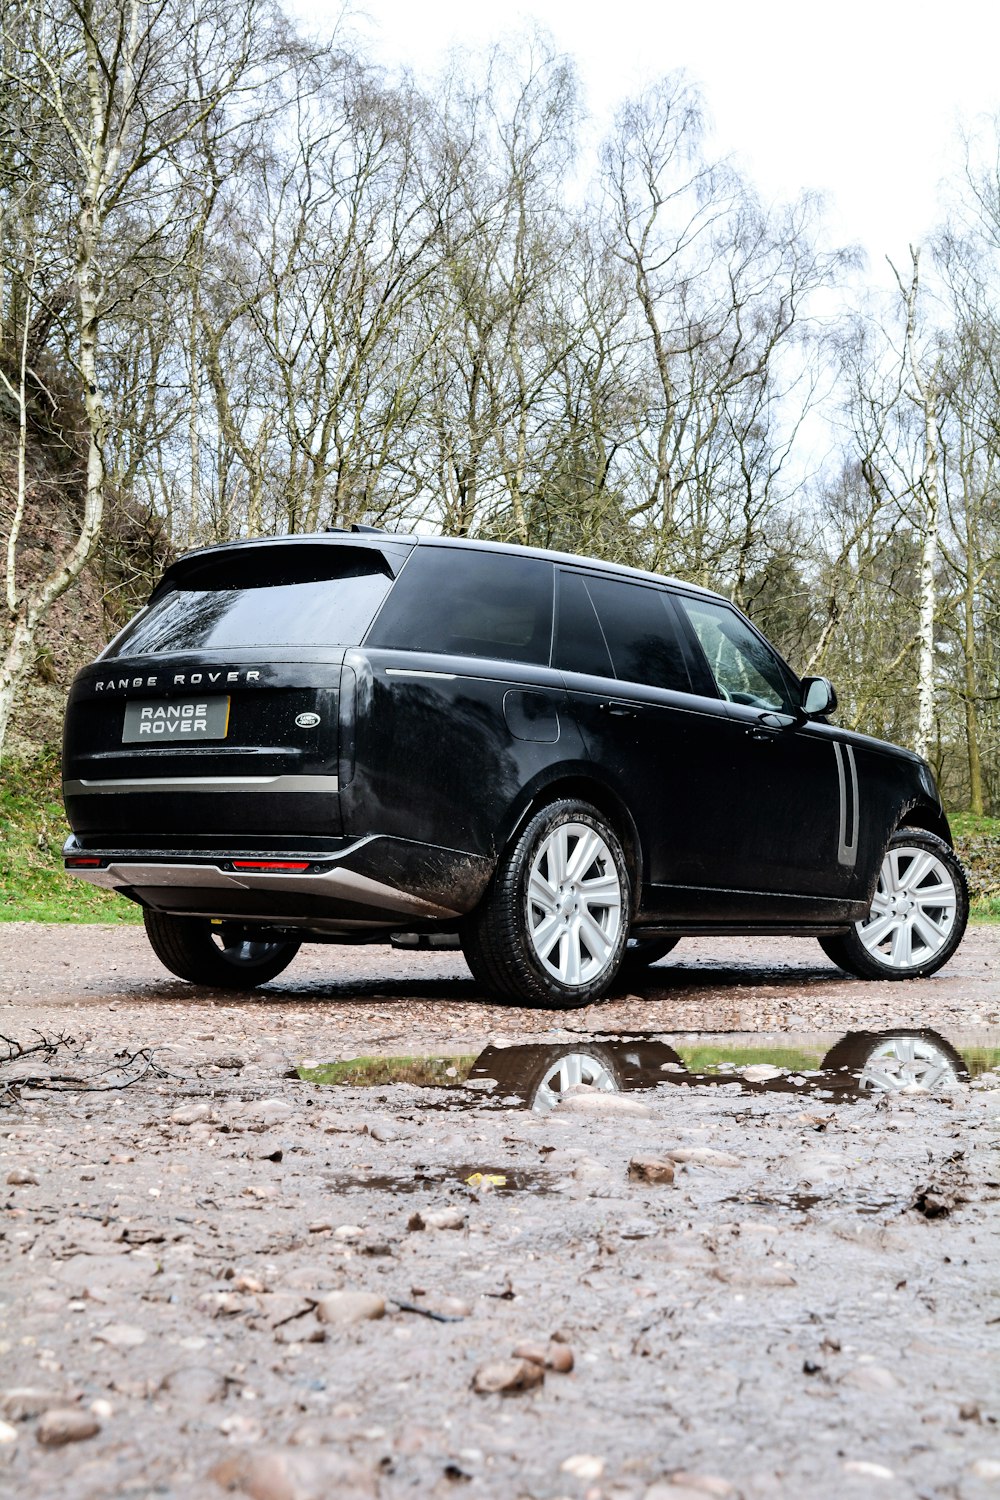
[{"x": 860, "y": 98}]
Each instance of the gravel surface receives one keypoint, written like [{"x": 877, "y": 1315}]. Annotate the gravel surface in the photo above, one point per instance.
[{"x": 217, "y": 1278}]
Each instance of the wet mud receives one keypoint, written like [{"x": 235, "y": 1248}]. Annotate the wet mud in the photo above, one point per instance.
[{"x": 348, "y": 1237}]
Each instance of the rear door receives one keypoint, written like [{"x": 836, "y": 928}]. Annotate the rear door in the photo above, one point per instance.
[{"x": 653, "y": 726}]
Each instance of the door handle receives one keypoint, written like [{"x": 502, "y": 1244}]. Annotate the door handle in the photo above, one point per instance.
[
  {"x": 769, "y": 726},
  {"x": 618, "y": 710}
]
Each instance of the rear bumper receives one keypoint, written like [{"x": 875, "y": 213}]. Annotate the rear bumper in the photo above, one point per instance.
[{"x": 352, "y": 885}]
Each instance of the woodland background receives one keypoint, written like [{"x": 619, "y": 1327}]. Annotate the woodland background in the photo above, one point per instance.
[{"x": 251, "y": 283}]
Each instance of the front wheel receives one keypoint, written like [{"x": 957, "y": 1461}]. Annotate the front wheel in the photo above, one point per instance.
[
  {"x": 552, "y": 927},
  {"x": 223, "y": 955},
  {"x": 918, "y": 914}
]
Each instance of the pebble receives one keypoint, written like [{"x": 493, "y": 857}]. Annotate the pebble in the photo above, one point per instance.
[
  {"x": 8, "y": 1434},
  {"x": 600, "y": 1103},
  {"x": 985, "y": 1468},
  {"x": 120, "y": 1335},
  {"x": 294, "y": 1474},
  {"x": 66, "y": 1424},
  {"x": 20, "y": 1402},
  {"x": 345, "y": 1308},
  {"x": 650, "y": 1169},
  {"x": 191, "y": 1114},
  {"x": 870, "y": 1470},
  {"x": 874, "y": 1379},
  {"x": 445, "y": 1218},
  {"x": 761, "y": 1072},
  {"x": 703, "y": 1156},
  {"x": 195, "y": 1385},
  {"x": 264, "y": 1112},
  {"x": 20, "y": 1178},
  {"x": 507, "y": 1377},
  {"x": 583, "y": 1466}
]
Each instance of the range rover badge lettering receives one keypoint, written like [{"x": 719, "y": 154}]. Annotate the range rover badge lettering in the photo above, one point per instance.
[{"x": 307, "y": 721}]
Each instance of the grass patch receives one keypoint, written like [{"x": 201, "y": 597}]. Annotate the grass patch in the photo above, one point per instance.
[
  {"x": 377, "y": 1072},
  {"x": 33, "y": 884},
  {"x": 977, "y": 842}
]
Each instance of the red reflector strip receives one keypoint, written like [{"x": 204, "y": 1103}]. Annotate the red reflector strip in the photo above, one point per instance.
[
  {"x": 75, "y": 864},
  {"x": 270, "y": 864}
]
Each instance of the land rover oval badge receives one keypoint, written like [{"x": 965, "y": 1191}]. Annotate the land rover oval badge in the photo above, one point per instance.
[{"x": 307, "y": 721}]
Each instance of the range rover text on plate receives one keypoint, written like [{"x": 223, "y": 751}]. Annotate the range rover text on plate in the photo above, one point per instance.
[{"x": 362, "y": 737}]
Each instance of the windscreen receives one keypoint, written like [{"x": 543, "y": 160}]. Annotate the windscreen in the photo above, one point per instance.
[{"x": 321, "y": 597}]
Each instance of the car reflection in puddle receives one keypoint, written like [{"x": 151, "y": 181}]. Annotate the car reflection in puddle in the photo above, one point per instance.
[{"x": 537, "y": 1076}]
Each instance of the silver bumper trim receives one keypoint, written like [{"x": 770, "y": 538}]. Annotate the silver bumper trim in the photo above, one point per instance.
[
  {"x": 203, "y": 784},
  {"x": 331, "y": 883}
]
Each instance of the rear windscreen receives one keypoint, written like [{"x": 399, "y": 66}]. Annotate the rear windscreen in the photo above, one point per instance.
[{"x": 316, "y": 599}]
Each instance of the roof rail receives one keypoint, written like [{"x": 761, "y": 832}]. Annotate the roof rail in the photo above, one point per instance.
[{"x": 357, "y": 527}]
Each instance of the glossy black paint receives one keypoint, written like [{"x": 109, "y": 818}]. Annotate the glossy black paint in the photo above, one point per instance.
[{"x": 734, "y": 816}]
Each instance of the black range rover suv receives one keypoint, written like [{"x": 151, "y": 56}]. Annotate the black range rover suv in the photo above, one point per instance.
[{"x": 363, "y": 737}]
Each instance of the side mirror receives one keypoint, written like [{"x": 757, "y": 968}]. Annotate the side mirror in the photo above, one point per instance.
[{"x": 818, "y": 697}]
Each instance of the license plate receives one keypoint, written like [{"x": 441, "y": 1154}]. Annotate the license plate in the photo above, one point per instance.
[{"x": 181, "y": 719}]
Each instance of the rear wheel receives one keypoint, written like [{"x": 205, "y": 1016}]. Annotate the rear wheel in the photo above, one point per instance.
[
  {"x": 552, "y": 927},
  {"x": 918, "y": 915},
  {"x": 224, "y": 955}
]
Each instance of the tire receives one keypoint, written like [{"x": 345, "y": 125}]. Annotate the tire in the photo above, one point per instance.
[
  {"x": 918, "y": 916},
  {"x": 642, "y": 953},
  {"x": 222, "y": 956},
  {"x": 552, "y": 927}
]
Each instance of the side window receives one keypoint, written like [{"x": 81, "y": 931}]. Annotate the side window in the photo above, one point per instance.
[
  {"x": 455, "y": 602},
  {"x": 744, "y": 668},
  {"x": 639, "y": 628},
  {"x": 580, "y": 643}
]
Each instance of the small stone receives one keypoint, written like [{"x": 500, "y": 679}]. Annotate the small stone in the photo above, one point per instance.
[
  {"x": 969, "y": 1412},
  {"x": 195, "y": 1385},
  {"x": 261, "y": 1113},
  {"x": 8, "y": 1434},
  {"x": 313, "y": 1473},
  {"x": 66, "y": 1424},
  {"x": 344, "y": 1308},
  {"x": 583, "y": 1466},
  {"x": 703, "y": 1156},
  {"x": 650, "y": 1169},
  {"x": 20, "y": 1178},
  {"x": 534, "y": 1352},
  {"x": 600, "y": 1103},
  {"x": 761, "y": 1072},
  {"x": 559, "y": 1357},
  {"x": 445, "y": 1218},
  {"x": 247, "y": 1282},
  {"x": 985, "y": 1468},
  {"x": 229, "y": 1061},
  {"x": 507, "y": 1377},
  {"x": 191, "y": 1114},
  {"x": 120, "y": 1335},
  {"x": 348, "y": 1232},
  {"x": 870, "y": 1470},
  {"x": 101, "y": 1409},
  {"x": 20, "y": 1402},
  {"x": 702, "y": 1484},
  {"x": 415, "y": 1222},
  {"x": 874, "y": 1379}
]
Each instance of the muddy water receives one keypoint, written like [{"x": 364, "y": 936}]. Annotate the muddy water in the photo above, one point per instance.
[{"x": 808, "y": 1309}]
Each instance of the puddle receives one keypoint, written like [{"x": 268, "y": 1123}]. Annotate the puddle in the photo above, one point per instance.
[
  {"x": 459, "y": 1180},
  {"x": 536, "y": 1075},
  {"x": 807, "y": 1203}
]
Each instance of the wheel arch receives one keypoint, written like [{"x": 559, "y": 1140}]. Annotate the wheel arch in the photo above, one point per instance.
[
  {"x": 929, "y": 819},
  {"x": 587, "y": 788}
]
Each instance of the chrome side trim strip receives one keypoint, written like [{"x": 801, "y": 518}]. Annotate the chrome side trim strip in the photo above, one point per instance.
[
  {"x": 203, "y": 784},
  {"x": 416, "y": 672},
  {"x": 847, "y": 772}
]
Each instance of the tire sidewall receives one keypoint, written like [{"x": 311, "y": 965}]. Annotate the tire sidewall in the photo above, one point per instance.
[{"x": 918, "y": 838}]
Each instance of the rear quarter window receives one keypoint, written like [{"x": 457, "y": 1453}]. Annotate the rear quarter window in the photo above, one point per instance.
[{"x": 452, "y": 602}]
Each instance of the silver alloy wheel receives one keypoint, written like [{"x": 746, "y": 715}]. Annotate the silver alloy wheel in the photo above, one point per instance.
[
  {"x": 575, "y": 1068},
  {"x": 574, "y": 900},
  {"x": 913, "y": 911},
  {"x": 900, "y": 1061}
]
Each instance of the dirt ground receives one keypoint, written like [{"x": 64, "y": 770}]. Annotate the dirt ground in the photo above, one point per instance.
[{"x": 220, "y": 1278}]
